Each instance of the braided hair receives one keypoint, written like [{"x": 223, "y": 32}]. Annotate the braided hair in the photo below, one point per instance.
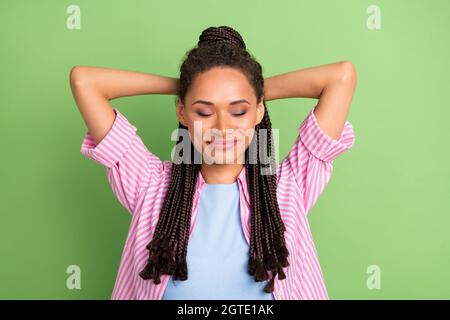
[{"x": 220, "y": 46}]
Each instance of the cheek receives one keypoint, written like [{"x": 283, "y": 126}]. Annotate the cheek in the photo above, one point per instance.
[
  {"x": 196, "y": 129},
  {"x": 248, "y": 120},
  {"x": 196, "y": 138},
  {"x": 247, "y": 129},
  {"x": 199, "y": 135}
]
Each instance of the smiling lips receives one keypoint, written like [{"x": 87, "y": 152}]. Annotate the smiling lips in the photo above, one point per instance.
[{"x": 223, "y": 144}]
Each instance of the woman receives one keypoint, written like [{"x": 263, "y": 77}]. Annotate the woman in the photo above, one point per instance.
[{"x": 248, "y": 218}]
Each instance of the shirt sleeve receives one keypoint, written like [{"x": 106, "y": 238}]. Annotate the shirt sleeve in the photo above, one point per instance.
[
  {"x": 129, "y": 164},
  {"x": 310, "y": 159}
]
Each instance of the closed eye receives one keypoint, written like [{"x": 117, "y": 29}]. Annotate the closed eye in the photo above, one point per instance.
[
  {"x": 235, "y": 114},
  {"x": 202, "y": 114}
]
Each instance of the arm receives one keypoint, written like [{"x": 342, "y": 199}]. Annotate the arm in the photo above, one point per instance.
[
  {"x": 93, "y": 87},
  {"x": 325, "y": 133},
  {"x": 112, "y": 141},
  {"x": 333, "y": 84}
]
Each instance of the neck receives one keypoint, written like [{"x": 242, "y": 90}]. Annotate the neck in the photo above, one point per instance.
[{"x": 220, "y": 173}]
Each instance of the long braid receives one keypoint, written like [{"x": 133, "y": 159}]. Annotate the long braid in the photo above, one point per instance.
[
  {"x": 261, "y": 273},
  {"x": 252, "y": 259},
  {"x": 268, "y": 199},
  {"x": 186, "y": 206},
  {"x": 280, "y": 247},
  {"x": 267, "y": 251}
]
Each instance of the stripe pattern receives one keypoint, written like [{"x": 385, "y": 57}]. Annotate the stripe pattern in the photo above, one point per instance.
[{"x": 139, "y": 180}]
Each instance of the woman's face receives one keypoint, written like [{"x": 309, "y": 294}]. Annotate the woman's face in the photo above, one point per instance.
[{"x": 221, "y": 113}]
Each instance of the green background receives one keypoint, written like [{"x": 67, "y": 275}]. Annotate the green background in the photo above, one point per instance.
[{"x": 387, "y": 203}]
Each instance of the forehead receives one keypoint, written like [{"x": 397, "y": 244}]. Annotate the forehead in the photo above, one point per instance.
[{"x": 221, "y": 84}]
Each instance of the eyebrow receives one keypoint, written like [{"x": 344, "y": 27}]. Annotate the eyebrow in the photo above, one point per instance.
[{"x": 211, "y": 104}]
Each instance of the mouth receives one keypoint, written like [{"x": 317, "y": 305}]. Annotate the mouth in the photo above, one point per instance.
[{"x": 222, "y": 144}]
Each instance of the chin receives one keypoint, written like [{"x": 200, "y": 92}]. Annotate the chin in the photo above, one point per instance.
[
  {"x": 221, "y": 157},
  {"x": 212, "y": 155}
]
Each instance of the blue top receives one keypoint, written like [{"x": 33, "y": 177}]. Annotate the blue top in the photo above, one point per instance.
[{"x": 217, "y": 254}]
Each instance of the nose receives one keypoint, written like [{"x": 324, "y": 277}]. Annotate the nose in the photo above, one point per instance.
[{"x": 222, "y": 126}]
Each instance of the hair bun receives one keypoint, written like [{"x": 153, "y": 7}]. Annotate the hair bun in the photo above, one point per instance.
[{"x": 221, "y": 34}]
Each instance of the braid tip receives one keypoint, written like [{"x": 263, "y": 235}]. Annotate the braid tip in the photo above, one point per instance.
[{"x": 270, "y": 285}]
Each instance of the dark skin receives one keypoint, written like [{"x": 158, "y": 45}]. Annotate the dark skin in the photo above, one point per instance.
[
  {"x": 333, "y": 84},
  {"x": 223, "y": 102}
]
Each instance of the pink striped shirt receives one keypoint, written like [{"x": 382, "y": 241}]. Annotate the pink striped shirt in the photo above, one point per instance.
[{"x": 139, "y": 179}]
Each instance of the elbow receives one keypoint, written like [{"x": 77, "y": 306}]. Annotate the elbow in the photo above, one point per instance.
[
  {"x": 346, "y": 72},
  {"x": 77, "y": 76}
]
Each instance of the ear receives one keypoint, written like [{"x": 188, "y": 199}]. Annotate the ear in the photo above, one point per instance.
[
  {"x": 260, "y": 109},
  {"x": 180, "y": 112}
]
